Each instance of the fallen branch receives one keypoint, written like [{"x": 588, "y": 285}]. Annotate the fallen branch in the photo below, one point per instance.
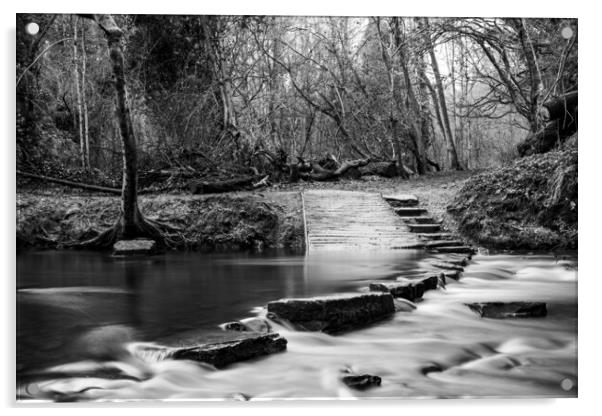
[
  {"x": 71, "y": 184},
  {"x": 229, "y": 185}
]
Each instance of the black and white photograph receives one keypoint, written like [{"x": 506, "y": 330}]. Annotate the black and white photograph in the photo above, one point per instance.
[{"x": 251, "y": 207}]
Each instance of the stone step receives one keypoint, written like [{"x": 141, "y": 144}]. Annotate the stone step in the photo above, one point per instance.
[
  {"x": 420, "y": 220},
  {"x": 435, "y": 236},
  {"x": 455, "y": 249},
  {"x": 410, "y": 212},
  {"x": 138, "y": 247},
  {"x": 424, "y": 228},
  {"x": 443, "y": 243},
  {"x": 401, "y": 200},
  {"x": 332, "y": 314}
]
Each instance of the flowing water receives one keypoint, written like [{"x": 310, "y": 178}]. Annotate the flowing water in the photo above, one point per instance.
[{"x": 84, "y": 317}]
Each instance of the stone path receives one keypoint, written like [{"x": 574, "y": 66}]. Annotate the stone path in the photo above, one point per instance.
[{"x": 348, "y": 220}]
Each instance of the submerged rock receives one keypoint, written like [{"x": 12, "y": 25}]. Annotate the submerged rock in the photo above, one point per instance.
[
  {"x": 138, "y": 247},
  {"x": 233, "y": 326},
  {"x": 362, "y": 382},
  {"x": 333, "y": 314},
  {"x": 254, "y": 324},
  {"x": 501, "y": 310},
  {"x": 241, "y": 348}
]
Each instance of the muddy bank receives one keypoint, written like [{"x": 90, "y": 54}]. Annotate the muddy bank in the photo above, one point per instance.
[
  {"x": 531, "y": 204},
  {"x": 208, "y": 223}
]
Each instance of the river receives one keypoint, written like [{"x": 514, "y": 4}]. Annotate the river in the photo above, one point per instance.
[{"x": 79, "y": 311}]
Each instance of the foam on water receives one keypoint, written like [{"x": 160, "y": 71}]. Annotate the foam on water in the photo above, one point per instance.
[{"x": 439, "y": 349}]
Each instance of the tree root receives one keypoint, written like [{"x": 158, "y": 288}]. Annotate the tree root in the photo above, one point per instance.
[{"x": 164, "y": 235}]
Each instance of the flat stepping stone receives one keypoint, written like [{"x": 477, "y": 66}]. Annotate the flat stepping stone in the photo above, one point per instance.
[
  {"x": 244, "y": 347},
  {"x": 410, "y": 212},
  {"x": 455, "y": 249},
  {"x": 333, "y": 314},
  {"x": 424, "y": 228},
  {"x": 502, "y": 310},
  {"x": 407, "y": 289},
  {"x": 401, "y": 200},
  {"x": 138, "y": 247}
]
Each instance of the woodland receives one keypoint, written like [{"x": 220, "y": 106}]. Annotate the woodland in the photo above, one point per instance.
[{"x": 130, "y": 104}]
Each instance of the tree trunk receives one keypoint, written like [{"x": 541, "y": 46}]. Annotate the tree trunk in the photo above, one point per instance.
[
  {"x": 80, "y": 124},
  {"x": 85, "y": 102},
  {"x": 451, "y": 147}
]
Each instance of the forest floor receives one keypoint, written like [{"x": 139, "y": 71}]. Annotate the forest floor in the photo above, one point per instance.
[{"x": 54, "y": 216}]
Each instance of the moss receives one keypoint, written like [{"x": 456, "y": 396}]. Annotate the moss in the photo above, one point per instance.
[
  {"x": 233, "y": 222},
  {"x": 531, "y": 204}
]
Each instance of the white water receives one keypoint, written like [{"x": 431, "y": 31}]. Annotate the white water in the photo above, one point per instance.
[{"x": 473, "y": 356}]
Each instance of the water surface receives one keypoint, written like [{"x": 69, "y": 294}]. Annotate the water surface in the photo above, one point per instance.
[{"x": 77, "y": 311}]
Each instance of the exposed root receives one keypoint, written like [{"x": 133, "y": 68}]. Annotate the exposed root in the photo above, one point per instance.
[{"x": 164, "y": 235}]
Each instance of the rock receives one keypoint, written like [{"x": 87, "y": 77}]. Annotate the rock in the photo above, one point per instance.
[
  {"x": 233, "y": 326},
  {"x": 138, "y": 247},
  {"x": 221, "y": 354},
  {"x": 463, "y": 262},
  {"x": 448, "y": 266},
  {"x": 362, "y": 382},
  {"x": 401, "y": 200},
  {"x": 403, "y": 305},
  {"x": 257, "y": 324},
  {"x": 332, "y": 314},
  {"x": 436, "y": 236},
  {"x": 407, "y": 289},
  {"x": 455, "y": 275},
  {"x": 501, "y": 310}
]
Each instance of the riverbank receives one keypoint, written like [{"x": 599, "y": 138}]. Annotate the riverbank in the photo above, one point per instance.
[{"x": 270, "y": 218}]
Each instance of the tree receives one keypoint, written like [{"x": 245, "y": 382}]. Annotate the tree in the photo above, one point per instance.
[{"x": 132, "y": 223}]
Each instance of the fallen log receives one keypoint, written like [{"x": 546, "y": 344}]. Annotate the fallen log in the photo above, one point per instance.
[
  {"x": 559, "y": 108},
  {"x": 385, "y": 169},
  {"x": 319, "y": 173},
  {"x": 547, "y": 138},
  {"x": 229, "y": 185},
  {"x": 71, "y": 184}
]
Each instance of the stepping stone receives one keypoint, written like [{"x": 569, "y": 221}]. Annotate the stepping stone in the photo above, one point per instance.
[
  {"x": 401, "y": 200},
  {"x": 455, "y": 275},
  {"x": 362, "y": 382},
  {"x": 424, "y": 228},
  {"x": 139, "y": 247},
  {"x": 410, "y": 212},
  {"x": 455, "y": 249},
  {"x": 448, "y": 266},
  {"x": 443, "y": 243},
  {"x": 407, "y": 289},
  {"x": 501, "y": 310},
  {"x": 332, "y": 314},
  {"x": 463, "y": 262},
  {"x": 435, "y": 236},
  {"x": 221, "y": 354}
]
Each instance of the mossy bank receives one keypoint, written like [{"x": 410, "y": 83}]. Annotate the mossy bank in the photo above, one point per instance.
[
  {"x": 208, "y": 223},
  {"x": 529, "y": 205}
]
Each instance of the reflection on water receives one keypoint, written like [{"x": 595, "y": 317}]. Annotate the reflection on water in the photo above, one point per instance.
[{"x": 82, "y": 317}]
